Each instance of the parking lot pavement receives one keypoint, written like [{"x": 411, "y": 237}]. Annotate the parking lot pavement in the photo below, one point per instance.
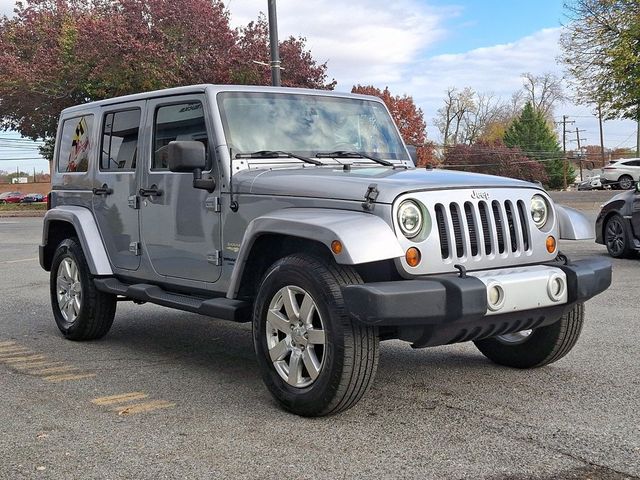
[{"x": 175, "y": 395}]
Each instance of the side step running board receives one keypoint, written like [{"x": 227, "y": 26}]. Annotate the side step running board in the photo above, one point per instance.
[{"x": 224, "y": 308}]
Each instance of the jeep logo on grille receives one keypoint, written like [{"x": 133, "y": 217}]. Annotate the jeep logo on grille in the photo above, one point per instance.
[{"x": 480, "y": 195}]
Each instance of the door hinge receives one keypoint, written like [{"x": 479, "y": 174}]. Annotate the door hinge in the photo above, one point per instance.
[
  {"x": 134, "y": 202},
  {"x": 215, "y": 258},
  {"x": 213, "y": 204},
  {"x": 370, "y": 197},
  {"x": 134, "y": 247}
]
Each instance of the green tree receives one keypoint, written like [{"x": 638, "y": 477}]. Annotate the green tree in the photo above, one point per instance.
[
  {"x": 532, "y": 134},
  {"x": 601, "y": 47}
]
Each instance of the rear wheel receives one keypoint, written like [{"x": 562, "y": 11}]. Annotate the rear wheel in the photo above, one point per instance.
[
  {"x": 537, "y": 347},
  {"x": 80, "y": 310},
  {"x": 625, "y": 182},
  {"x": 313, "y": 358}
]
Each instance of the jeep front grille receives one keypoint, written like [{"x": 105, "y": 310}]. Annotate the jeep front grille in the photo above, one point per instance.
[{"x": 473, "y": 229}]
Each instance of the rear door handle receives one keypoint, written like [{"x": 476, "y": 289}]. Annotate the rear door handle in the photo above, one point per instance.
[
  {"x": 152, "y": 191},
  {"x": 104, "y": 190}
]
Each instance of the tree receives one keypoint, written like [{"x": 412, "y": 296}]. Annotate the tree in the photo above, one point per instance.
[
  {"x": 532, "y": 134},
  {"x": 408, "y": 118},
  {"x": 601, "y": 47},
  {"x": 494, "y": 159},
  {"x": 58, "y": 53},
  {"x": 543, "y": 92}
]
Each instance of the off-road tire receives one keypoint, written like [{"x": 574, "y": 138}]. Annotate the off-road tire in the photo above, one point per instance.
[
  {"x": 351, "y": 349},
  {"x": 97, "y": 309},
  {"x": 543, "y": 346}
]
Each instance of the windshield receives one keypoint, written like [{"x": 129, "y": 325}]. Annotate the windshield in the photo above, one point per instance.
[{"x": 308, "y": 125}]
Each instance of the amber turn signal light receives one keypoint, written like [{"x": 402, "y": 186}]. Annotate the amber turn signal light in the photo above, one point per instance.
[
  {"x": 336, "y": 247},
  {"x": 551, "y": 244},
  {"x": 412, "y": 256}
]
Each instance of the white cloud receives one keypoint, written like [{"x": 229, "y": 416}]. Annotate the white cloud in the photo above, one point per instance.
[{"x": 364, "y": 41}]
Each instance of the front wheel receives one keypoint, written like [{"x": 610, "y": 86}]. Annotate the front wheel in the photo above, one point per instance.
[
  {"x": 537, "y": 347},
  {"x": 313, "y": 358},
  {"x": 81, "y": 311}
]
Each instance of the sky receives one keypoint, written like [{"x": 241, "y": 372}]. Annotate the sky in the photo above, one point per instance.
[{"x": 418, "y": 48}]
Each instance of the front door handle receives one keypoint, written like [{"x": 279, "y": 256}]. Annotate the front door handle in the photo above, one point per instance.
[
  {"x": 152, "y": 191},
  {"x": 104, "y": 190}
]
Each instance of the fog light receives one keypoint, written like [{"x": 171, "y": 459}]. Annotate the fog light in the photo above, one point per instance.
[
  {"x": 412, "y": 257},
  {"x": 556, "y": 288},
  {"x": 551, "y": 244},
  {"x": 495, "y": 296},
  {"x": 336, "y": 247}
]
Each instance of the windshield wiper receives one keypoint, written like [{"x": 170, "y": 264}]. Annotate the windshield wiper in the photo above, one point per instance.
[
  {"x": 277, "y": 154},
  {"x": 353, "y": 154}
]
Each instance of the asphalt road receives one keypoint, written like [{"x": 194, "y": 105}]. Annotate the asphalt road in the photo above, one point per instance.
[{"x": 175, "y": 395}]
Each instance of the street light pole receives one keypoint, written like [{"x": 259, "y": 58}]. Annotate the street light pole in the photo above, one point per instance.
[{"x": 273, "y": 41}]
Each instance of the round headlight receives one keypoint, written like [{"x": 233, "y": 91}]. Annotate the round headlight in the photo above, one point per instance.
[
  {"x": 539, "y": 210},
  {"x": 410, "y": 218}
]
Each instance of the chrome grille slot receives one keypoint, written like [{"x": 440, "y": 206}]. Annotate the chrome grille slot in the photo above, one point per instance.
[
  {"x": 457, "y": 230},
  {"x": 499, "y": 224},
  {"x": 524, "y": 225},
  {"x": 474, "y": 238},
  {"x": 486, "y": 232},
  {"x": 442, "y": 231}
]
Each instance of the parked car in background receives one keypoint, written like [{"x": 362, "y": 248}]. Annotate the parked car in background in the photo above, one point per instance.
[
  {"x": 618, "y": 224},
  {"x": 591, "y": 183},
  {"x": 11, "y": 197},
  {"x": 33, "y": 198},
  {"x": 621, "y": 174}
]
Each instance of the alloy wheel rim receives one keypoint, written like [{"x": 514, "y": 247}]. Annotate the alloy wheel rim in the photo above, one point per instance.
[
  {"x": 69, "y": 289},
  {"x": 295, "y": 336},
  {"x": 515, "y": 337},
  {"x": 625, "y": 183},
  {"x": 615, "y": 237}
]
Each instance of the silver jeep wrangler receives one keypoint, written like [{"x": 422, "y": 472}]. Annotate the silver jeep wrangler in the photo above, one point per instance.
[{"x": 302, "y": 211}]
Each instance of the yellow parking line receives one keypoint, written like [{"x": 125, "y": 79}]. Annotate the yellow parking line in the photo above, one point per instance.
[
  {"x": 23, "y": 359},
  {"x": 7, "y": 344},
  {"x": 124, "y": 397},
  {"x": 14, "y": 352},
  {"x": 60, "y": 369},
  {"x": 67, "y": 377},
  {"x": 41, "y": 364},
  {"x": 10, "y": 348},
  {"x": 143, "y": 407}
]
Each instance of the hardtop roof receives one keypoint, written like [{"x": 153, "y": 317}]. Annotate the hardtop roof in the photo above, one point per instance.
[{"x": 214, "y": 89}]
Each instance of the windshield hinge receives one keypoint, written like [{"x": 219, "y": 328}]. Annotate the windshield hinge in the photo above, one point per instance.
[
  {"x": 213, "y": 204},
  {"x": 370, "y": 197},
  {"x": 134, "y": 202},
  {"x": 134, "y": 247}
]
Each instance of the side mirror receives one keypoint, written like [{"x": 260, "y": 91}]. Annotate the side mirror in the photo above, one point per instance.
[
  {"x": 186, "y": 156},
  {"x": 190, "y": 156},
  {"x": 413, "y": 153}
]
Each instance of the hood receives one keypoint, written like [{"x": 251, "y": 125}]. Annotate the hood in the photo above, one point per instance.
[{"x": 336, "y": 183}]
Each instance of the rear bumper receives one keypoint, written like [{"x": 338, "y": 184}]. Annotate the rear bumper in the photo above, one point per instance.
[{"x": 449, "y": 299}]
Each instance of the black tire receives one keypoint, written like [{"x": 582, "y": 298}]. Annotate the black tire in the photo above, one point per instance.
[
  {"x": 617, "y": 238},
  {"x": 543, "y": 346},
  {"x": 351, "y": 350},
  {"x": 625, "y": 182},
  {"x": 97, "y": 309}
]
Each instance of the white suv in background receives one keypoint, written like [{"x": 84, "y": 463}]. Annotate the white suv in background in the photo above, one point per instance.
[{"x": 622, "y": 174}]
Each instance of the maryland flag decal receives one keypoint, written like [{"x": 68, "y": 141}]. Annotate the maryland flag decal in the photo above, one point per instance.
[{"x": 79, "y": 155}]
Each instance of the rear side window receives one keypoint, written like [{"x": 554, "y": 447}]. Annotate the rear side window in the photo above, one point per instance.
[
  {"x": 184, "y": 121},
  {"x": 120, "y": 141},
  {"x": 633, "y": 163},
  {"x": 75, "y": 144}
]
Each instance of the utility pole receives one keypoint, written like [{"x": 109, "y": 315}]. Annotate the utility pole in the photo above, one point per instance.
[
  {"x": 564, "y": 147},
  {"x": 579, "y": 151},
  {"x": 273, "y": 41},
  {"x": 601, "y": 135}
]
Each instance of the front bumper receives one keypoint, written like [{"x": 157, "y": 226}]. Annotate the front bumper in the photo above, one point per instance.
[{"x": 459, "y": 305}]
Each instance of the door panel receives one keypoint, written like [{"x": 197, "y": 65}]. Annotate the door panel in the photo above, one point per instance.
[
  {"x": 115, "y": 183},
  {"x": 179, "y": 234}
]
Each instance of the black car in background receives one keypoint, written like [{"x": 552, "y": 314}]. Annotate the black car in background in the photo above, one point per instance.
[{"x": 618, "y": 224}]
